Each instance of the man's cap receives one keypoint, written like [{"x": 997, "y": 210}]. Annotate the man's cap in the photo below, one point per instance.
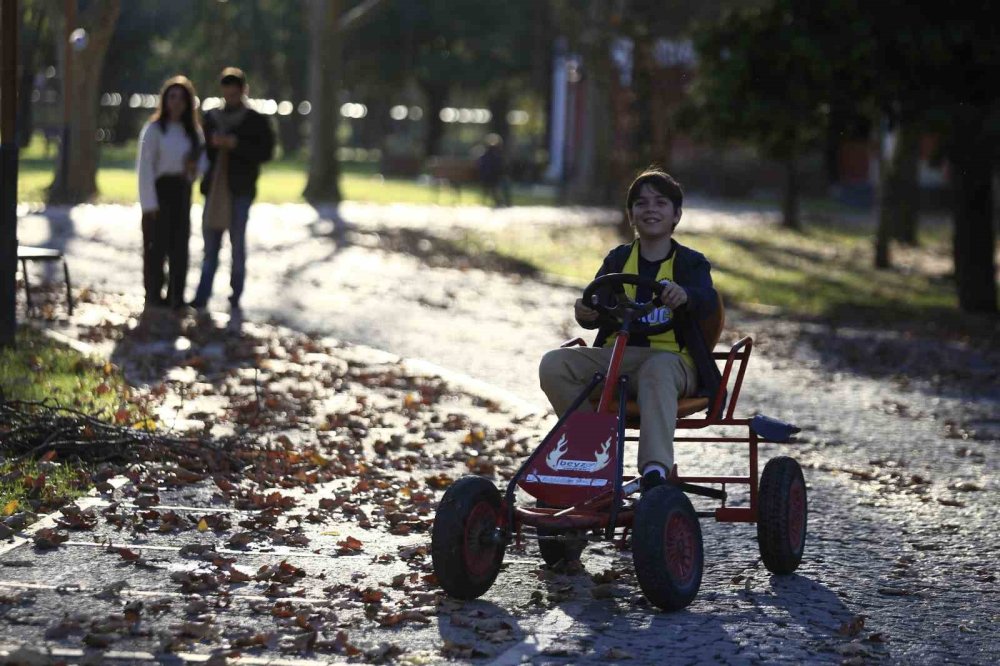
[{"x": 231, "y": 76}]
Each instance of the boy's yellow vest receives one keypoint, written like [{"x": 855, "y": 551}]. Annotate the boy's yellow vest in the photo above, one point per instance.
[{"x": 666, "y": 341}]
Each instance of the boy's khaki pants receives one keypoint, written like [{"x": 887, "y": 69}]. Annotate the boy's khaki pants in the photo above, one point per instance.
[{"x": 658, "y": 378}]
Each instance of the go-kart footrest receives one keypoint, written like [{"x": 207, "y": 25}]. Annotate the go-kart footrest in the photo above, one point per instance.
[{"x": 704, "y": 491}]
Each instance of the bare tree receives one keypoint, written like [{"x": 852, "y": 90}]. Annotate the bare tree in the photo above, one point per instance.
[{"x": 76, "y": 179}]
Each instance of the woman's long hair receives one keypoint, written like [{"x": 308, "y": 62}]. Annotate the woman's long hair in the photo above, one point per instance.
[{"x": 189, "y": 119}]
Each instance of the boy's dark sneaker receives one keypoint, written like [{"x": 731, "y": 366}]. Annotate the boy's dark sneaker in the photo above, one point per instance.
[{"x": 650, "y": 480}]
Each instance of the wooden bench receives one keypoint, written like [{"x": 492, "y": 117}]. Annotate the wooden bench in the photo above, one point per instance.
[
  {"x": 453, "y": 171},
  {"x": 26, "y": 253}
]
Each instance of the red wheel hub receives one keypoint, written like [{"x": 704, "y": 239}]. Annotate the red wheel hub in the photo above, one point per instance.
[
  {"x": 680, "y": 547},
  {"x": 479, "y": 550},
  {"x": 796, "y": 515}
]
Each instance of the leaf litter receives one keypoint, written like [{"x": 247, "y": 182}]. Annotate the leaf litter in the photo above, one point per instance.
[{"x": 381, "y": 463}]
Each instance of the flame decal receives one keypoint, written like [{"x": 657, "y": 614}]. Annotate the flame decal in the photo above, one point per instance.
[
  {"x": 602, "y": 458},
  {"x": 555, "y": 454}
]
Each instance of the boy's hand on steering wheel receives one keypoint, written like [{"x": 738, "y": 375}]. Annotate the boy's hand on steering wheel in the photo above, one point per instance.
[
  {"x": 583, "y": 313},
  {"x": 673, "y": 295}
]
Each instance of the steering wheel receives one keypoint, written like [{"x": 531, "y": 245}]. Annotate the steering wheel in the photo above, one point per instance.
[{"x": 626, "y": 311}]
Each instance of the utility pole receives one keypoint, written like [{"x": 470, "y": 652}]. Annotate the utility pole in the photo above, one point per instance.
[{"x": 8, "y": 170}]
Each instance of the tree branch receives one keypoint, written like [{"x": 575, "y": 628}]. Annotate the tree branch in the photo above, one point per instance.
[{"x": 360, "y": 15}]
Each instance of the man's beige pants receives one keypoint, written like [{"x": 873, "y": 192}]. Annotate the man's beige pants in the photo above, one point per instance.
[{"x": 658, "y": 378}]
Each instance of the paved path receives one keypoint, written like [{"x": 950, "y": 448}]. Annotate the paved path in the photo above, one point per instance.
[{"x": 903, "y": 481}]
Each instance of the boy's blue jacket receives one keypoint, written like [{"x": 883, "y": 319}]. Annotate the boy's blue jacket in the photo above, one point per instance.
[{"x": 692, "y": 272}]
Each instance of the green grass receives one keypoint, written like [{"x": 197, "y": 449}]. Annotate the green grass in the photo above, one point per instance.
[
  {"x": 26, "y": 486},
  {"x": 38, "y": 368},
  {"x": 282, "y": 181},
  {"x": 823, "y": 272}
]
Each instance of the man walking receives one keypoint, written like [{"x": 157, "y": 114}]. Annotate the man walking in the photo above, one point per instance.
[{"x": 237, "y": 141}]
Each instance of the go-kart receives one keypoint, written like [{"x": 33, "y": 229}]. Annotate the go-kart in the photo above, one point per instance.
[{"x": 576, "y": 477}]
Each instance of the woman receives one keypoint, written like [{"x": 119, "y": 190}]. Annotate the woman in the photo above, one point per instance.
[{"x": 169, "y": 145}]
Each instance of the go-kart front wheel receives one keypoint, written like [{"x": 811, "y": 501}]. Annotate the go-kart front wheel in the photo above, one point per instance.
[
  {"x": 464, "y": 546},
  {"x": 781, "y": 515},
  {"x": 667, "y": 549}
]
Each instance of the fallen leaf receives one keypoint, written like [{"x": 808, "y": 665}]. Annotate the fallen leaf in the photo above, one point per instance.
[
  {"x": 240, "y": 539},
  {"x": 126, "y": 554},
  {"x": 393, "y": 619},
  {"x": 349, "y": 546},
  {"x": 49, "y": 538}
]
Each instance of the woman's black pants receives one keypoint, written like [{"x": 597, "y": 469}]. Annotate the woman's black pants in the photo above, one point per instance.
[{"x": 165, "y": 239}]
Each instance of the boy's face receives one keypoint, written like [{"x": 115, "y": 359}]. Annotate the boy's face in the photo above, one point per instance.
[
  {"x": 232, "y": 93},
  {"x": 653, "y": 215}
]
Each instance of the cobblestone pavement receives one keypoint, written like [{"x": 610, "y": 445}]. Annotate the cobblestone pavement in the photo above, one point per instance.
[{"x": 900, "y": 562}]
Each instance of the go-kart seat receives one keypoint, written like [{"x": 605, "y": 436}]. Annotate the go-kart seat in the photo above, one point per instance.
[{"x": 711, "y": 329}]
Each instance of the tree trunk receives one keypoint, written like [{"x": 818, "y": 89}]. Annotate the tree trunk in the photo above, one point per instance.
[
  {"x": 974, "y": 240},
  {"x": 904, "y": 185},
  {"x": 78, "y": 181},
  {"x": 324, "y": 85},
  {"x": 30, "y": 46},
  {"x": 591, "y": 181},
  {"x": 790, "y": 204},
  {"x": 883, "y": 202},
  {"x": 649, "y": 139},
  {"x": 436, "y": 94}
]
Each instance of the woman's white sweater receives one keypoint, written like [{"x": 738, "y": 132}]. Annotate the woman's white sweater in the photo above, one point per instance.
[{"x": 161, "y": 154}]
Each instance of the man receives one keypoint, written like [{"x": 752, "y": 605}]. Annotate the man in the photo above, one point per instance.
[
  {"x": 237, "y": 141},
  {"x": 667, "y": 366}
]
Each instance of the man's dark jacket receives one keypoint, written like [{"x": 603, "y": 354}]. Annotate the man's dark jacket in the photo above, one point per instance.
[
  {"x": 692, "y": 272},
  {"x": 254, "y": 145}
]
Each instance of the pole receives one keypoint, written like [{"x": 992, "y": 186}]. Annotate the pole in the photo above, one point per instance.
[{"x": 8, "y": 171}]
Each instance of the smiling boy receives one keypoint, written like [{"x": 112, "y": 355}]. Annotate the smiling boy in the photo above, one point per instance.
[{"x": 664, "y": 367}]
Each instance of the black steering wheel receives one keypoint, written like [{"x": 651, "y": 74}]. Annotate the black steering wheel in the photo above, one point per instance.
[{"x": 626, "y": 311}]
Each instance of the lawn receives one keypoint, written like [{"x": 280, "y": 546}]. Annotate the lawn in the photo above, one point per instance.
[
  {"x": 825, "y": 271},
  {"x": 40, "y": 369},
  {"x": 282, "y": 181}
]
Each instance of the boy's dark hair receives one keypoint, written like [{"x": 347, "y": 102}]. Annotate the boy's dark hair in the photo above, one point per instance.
[
  {"x": 660, "y": 181},
  {"x": 233, "y": 76}
]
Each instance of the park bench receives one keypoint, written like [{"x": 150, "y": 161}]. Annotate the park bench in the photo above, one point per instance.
[
  {"x": 453, "y": 171},
  {"x": 26, "y": 253}
]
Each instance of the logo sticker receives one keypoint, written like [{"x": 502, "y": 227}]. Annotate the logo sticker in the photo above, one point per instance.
[{"x": 600, "y": 461}]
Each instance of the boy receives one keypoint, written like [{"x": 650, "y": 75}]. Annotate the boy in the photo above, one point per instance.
[
  {"x": 663, "y": 367},
  {"x": 238, "y": 139}
]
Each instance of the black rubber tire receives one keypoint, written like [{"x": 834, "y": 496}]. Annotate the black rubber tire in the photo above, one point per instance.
[
  {"x": 466, "y": 560},
  {"x": 782, "y": 513},
  {"x": 667, "y": 549},
  {"x": 554, "y": 552}
]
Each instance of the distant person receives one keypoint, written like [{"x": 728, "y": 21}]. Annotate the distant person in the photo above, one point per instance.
[
  {"x": 493, "y": 172},
  {"x": 169, "y": 145},
  {"x": 238, "y": 140}
]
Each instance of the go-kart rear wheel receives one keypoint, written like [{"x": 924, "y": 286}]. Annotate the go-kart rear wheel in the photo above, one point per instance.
[
  {"x": 464, "y": 547},
  {"x": 781, "y": 515},
  {"x": 554, "y": 552},
  {"x": 667, "y": 549}
]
